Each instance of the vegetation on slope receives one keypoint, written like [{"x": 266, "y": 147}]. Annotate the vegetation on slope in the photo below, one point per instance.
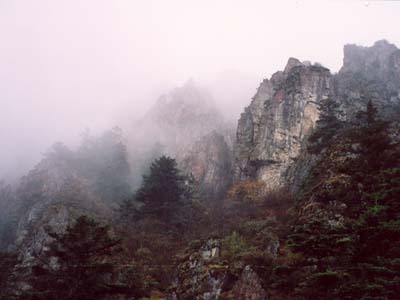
[{"x": 338, "y": 238}]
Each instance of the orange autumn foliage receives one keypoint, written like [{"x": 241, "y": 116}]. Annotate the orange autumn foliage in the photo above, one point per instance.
[{"x": 249, "y": 192}]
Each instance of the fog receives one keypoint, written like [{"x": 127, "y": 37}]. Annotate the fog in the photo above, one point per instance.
[{"x": 70, "y": 65}]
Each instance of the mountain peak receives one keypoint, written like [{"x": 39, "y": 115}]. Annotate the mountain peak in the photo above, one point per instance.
[
  {"x": 384, "y": 44},
  {"x": 292, "y": 62},
  {"x": 368, "y": 59}
]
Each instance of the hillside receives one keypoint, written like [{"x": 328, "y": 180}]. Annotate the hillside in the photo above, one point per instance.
[{"x": 302, "y": 203}]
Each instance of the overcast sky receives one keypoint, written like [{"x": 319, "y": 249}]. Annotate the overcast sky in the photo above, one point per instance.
[{"x": 66, "y": 65}]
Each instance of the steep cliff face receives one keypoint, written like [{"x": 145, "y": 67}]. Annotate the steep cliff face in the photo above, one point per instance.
[
  {"x": 380, "y": 61},
  {"x": 186, "y": 125},
  {"x": 272, "y": 129},
  {"x": 369, "y": 73},
  {"x": 209, "y": 160},
  {"x": 281, "y": 114}
]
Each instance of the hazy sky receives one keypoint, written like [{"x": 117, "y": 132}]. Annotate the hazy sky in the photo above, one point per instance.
[{"x": 70, "y": 64}]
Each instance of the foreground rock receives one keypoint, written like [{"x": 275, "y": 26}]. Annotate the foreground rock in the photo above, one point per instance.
[
  {"x": 204, "y": 275},
  {"x": 248, "y": 287}
]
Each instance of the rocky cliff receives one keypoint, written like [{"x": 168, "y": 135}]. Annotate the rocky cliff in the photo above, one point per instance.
[
  {"x": 283, "y": 111},
  {"x": 185, "y": 124},
  {"x": 50, "y": 197},
  {"x": 271, "y": 134},
  {"x": 274, "y": 126},
  {"x": 205, "y": 275},
  {"x": 209, "y": 161},
  {"x": 369, "y": 73}
]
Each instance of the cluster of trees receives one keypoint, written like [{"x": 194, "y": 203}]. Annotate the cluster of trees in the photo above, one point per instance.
[
  {"x": 88, "y": 261},
  {"x": 104, "y": 161},
  {"x": 162, "y": 216},
  {"x": 340, "y": 239},
  {"x": 327, "y": 126},
  {"x": 356, "y": 257},
  {"x": 100, "y": 160},
  {"x": 297, "y": 254},
  {"x": 80, "y": 264},
  {"x": 85, "y": 262}
]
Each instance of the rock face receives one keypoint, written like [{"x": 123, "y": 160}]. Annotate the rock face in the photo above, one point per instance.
[
  {"x": 271, "y": 130},
  {"x": 186, "y": 125},
  {"x": 51, "y": 196},
  {"x": 248, "y": 287},
  {"x": 199, "y": 277},
  {"x": 203, "y": 275},
  {"x": 209, "y": 161},
  {"x": 181, "y": 117},
  {"x": 379, "y": 61},
  {"x": 369, "y": 73}
]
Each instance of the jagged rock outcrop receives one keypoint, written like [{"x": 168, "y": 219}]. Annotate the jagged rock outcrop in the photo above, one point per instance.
[
  {"x": 205, "y": 275},
  {"x": 380, "y": 61},
  {"x": 369, "y": 73},
  {"x": 271, "y": 130},
  {"x": 271, "y": 140},
  {"x": 58, "y": 190},
  {"x": 181, "y": 117},
  {"x": 186, "y": 125},
  {"x": 249, "y": 287},
  {"x": 50, "y": 197},
  {"x": 199, "y": 276}
]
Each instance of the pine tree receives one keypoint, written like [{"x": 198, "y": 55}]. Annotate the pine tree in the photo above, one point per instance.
[
  {"x": 373, "y": 136},
  {"x": 356, "y": 258},
  {"x": 77, "y": 265},
  {"x": 163, "y": 190},
  {"x": 326, "y": 127}
]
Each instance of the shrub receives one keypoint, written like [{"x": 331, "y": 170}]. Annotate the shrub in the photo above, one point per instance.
[{"x": 233, "y": 246}]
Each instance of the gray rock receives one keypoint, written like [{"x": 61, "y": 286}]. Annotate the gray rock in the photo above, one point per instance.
[
  {"x": 249, "y": 287},
  {"x": 209, "y": 161},
  {"x": 273, "y": 129},
  {"x": 54, "y": 195},
  {"x": 211, "y": 249},
  {"x": 185, "y": 124},
  {"x": 370, "y": 73},
  {"x": 200, "y": 277},
  {"x": 282, "y": 113}
]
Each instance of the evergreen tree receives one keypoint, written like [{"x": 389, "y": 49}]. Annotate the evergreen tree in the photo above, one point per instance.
[
  {"x": 373, "y": 136},
  {"x": 326, "y": 127},
  {"x": 162, "y": 192},
  {"x": 77, "y": 265},
  {"x": 356, "y": 258}
]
